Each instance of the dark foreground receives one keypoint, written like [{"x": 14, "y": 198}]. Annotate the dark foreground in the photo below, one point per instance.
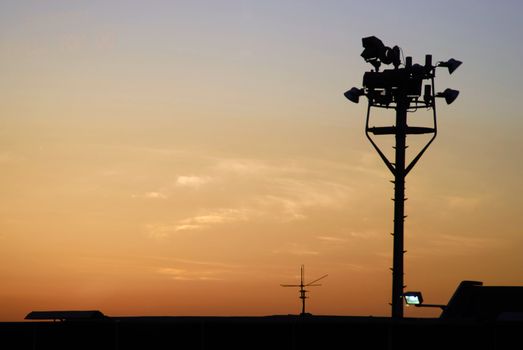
[
  {"x": 476, "y": 317},
  {"x": 272, "y": 332}
]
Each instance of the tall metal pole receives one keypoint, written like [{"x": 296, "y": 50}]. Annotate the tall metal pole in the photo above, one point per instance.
[
  {"x": 399, "y": 208},
  {"x": 400, "y": 89}
]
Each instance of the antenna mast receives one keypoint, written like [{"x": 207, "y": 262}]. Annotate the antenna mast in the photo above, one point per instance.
[{"x": 303, "y": 291}]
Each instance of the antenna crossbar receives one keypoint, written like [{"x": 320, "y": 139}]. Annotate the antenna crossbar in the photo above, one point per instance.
[{"x": 302, "y": 285}]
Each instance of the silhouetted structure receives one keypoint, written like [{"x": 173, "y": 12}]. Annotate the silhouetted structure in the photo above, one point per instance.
[
  {"x": 65, "y": 315},
  {"x": 476, "y": 317},
  {"x": 302, "y": 285},
  {"x": 473, "y": 300},
  {"x": 399, "y": 89}
]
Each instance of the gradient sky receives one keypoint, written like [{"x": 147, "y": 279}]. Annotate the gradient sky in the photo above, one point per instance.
[{"x": 186, "y": 157}]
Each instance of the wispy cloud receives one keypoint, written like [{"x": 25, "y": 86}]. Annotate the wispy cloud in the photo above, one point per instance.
[
  {"x": 270, "y": 191},
  {"x": 287, "y": 209},
  {"x": 243, "y": 166},
  {"x": 187, "y": 227},
  {"x": 189, "y": 275},
  {"x": 192, "y": 181},
  {"x": 294, "y": 197},
  {"x": 332, "y": 239},
  {"x": 220, "y": 216},
  {"x": 158, "y": 195},
  {"x": 160, "y": 230},
  {"x": 358, "y": 267},
  {"x": 198, "y": 222},
  {"x": 303, "y": 252},
  {"x": 296, "y": 249},
  {"x": 362, "y": 234},
  {"x": 446, "y": 241},
  {"x": 197, "y": 270},
  {"x": 344, "y": 237},
  {"x": 445, "y": 244},
  {"x": 151, "y": 195},
  {"x": 206, "y": 263},
  {"x": 163, "y": 230},
  {"x": 167, "y": 191},
  {"x": 463, "y": 202}
]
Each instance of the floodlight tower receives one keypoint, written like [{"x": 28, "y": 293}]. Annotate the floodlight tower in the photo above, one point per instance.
[{"x": 399, "y": 89}]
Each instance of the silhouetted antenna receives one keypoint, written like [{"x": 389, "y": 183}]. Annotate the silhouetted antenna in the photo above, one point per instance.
[{"x": 302, "y": 285}]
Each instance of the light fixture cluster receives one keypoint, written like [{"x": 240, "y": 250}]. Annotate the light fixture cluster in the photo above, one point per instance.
[{"x": 384, "y": 89}]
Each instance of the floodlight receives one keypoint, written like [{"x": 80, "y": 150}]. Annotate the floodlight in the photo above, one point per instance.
[
  {"x": 354, "y": 94},
  {"x": 416, "y": 299},
  {"x": 451, "y": 64},
  {"x": 413, "y": 298},
  {"x": 373, "y": 47},
  {"x": 418, "y": 71},
  {"x": 389, "y": 56},
  {"x": 449, "y": 95}
]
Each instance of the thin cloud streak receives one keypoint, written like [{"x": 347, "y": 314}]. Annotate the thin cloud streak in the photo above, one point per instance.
[
  {"x": 155, "y": 195},
  {"x": 187, "y": 275},
  {"x": 198, "y": 222},
  {"x": 331, "y": 239},
  {"x": 296, "y": 249},
  {"x": 465, "y": 203},
  {"x": 192, "y": 181},
  {"x": 273, "y": 194},
  {"x": 197, "y": 270}
]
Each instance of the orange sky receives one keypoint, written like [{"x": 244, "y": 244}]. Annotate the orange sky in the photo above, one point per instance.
[{"x": 185, "y": 158}]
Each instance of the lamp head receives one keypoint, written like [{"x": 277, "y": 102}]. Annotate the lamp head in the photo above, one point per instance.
[
  {"x": 449, "y": 95},
  {"x": 451, "y": 64},
  {"x": 354, "y": 94},
  {"x": 413, "y": 298},
  {"x": 375, "y": 52},
  {"x": 373, "y": 47}
]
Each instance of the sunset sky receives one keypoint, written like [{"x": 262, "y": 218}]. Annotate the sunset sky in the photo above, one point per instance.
[{"x": 186, "y": 157}]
